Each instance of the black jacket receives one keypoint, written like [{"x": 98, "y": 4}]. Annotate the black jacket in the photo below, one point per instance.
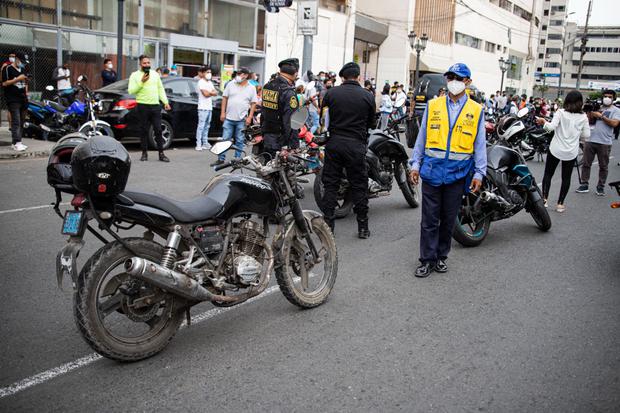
[{"x": 351, "y": 111}]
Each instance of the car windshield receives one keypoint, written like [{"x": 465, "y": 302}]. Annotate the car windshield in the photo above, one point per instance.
[{"x": 120, "y": 86}]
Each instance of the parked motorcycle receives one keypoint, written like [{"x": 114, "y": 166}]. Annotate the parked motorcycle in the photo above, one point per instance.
[
  {"x": 520, "y": 133},
  {"x": 50, "y": 120},
  {"x": 508, "y": 188},
  {"x": 132, "y": 295},
  {"x": 387, "y": 160}
]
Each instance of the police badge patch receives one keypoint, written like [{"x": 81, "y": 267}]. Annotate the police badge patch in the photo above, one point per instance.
[{"x": 293, "y": 102}]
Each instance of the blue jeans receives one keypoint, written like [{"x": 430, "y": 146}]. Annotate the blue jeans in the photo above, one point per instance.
[
  {"x": 313, "y": 120},
  {"x": 202, "y": 131},
  {"x": 233, "y": 129}
]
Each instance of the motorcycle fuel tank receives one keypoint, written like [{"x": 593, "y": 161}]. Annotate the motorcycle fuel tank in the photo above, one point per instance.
[
  {"x": 241, "y": 194},
  {"x": 500, "y": 156},
  {"x": 384, "y": 145}
]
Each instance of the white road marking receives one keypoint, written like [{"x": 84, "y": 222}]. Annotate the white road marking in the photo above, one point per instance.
[
  {"x": 91, "y": 358},
  {"x": 8, "y": 211}
]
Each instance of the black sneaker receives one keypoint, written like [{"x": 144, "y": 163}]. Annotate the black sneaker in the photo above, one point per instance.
[
  {"x": 583, "y": 189},
  {"x": 362, "y": 229},
  {"x": 163, "y": 157},
  {"x": 144, "y": 157},
  {"x": 441, "y": 266},
  {"x": 600, "y": 190},
  {"x": 424, "y": 270}
]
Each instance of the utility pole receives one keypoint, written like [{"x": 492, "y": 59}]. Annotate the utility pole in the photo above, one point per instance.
[
  {"x": 584, "y": 40},
  {"x": 58, "y": 33},
  {"x": 119, "y": 38}
]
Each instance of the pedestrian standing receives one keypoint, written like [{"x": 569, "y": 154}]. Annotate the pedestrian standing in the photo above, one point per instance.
[
  {"x": 238, "y": 106},
  {"x": 150, "y": 94},
  {"x": 351, "y": 112},
  {"x": 570, "y": 125},
  {"x": 14, "y": 87},
  {"x": 450, "y": 147},
  {"x": 206, "y": 91},
  {"x": 108, "y": 75},
  {"x": 368, "y": 86},
  {"x": 385, "y": 107},
  {"x": 312, "y": 98},
  {"x": 600, "y": 143},
  {"x": 400, "y": 99},
  {"x": 62, "y": 76}
]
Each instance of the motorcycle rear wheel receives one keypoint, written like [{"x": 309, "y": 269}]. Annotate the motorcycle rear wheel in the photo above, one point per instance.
[
  {"x": 103, "y": 313},
  {"x": 345, "y": 203},
  {"x": 469, "y": 236},
  {"x": 409, "y": 190},
  {"x": 297, "y": 271}
]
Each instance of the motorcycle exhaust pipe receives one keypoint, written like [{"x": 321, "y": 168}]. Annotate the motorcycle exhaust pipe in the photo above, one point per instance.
[
  {"x": 171, "y": 281},
  {"x": 40, "y": 128},
  {"x": 493, "y": 199}
]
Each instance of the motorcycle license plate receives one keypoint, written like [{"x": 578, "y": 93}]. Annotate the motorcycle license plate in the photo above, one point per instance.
[{"x": 72, "y": 223}]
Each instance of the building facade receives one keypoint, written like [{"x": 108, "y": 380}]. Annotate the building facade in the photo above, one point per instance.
[
  {"x": 188, "y": 33},
  {"x": 552, "y": 43}
]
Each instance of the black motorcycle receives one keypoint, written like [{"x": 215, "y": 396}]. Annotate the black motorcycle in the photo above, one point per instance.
[
  {"x": 507, "y": 188},
  {"x": 387, "y": 160},
  {"x": 132, "y": 295}
]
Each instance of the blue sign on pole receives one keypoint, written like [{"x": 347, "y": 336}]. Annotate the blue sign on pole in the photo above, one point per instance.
[{"x": 552, "y": 75}]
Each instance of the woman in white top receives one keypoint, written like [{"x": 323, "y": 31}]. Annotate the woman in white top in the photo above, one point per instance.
[
  {"x": 385, "y": 107},
  {"x": 570, "y": 125}
]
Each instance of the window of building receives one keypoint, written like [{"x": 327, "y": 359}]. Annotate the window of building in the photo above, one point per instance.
[
  {"x": 544, "y": 27},
  {"x": 598, "y": 50},
  {"x": 552, "y": 64},
  {"x": 515, "y": 68},
  {"x": 556, "y": 22},
  {"x": 546, "y": 12},
  {"x": 490, "y": 47},
  {"x": 541, "y": 55},
  {"x": 504, "y": 4},
  {"x": 558, "y": 8},
  {"x": 554, "y": 50},
  {"x": 232, "y": 22},
  {"x": 521, "y": 12},
  {"x": 335, "y": 5},
  {"x": 554, "y": 36},
  {"x": 616, "y": 49},
  {"x": 539, "y": 69},
  {"x": 542, "y": 41},
  {"x": 467, "y": 40}
]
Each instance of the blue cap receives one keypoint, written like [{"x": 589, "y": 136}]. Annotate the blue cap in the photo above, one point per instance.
[
  {"x": 459, "y": 69},
  {"x": 173, "y": 67}
]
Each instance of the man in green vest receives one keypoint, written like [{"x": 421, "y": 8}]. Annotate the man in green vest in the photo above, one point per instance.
[
  {"x": 150, "y": 94},
  {"x": 449, "y": 155}
]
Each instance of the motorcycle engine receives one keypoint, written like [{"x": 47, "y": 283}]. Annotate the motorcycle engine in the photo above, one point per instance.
[{"x": 248, "y": 249}]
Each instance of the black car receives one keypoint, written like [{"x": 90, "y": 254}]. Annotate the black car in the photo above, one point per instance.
[{"x": 118, "y": 109}]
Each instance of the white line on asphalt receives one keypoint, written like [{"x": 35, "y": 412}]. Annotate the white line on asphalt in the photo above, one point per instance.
[
  {"x": 91, "y": 358},
  {"x": 7, "y": 211}
]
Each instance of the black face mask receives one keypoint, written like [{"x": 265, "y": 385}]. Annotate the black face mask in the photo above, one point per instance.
[
  {"x": 146, "y": 68},
  {"x": 328, "y": 86}
]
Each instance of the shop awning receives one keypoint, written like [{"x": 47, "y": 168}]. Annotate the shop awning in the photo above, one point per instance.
[{"x": 370, "y": 30}]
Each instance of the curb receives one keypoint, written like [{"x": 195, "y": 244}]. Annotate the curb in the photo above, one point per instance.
[{"x": 26, "y": 154}]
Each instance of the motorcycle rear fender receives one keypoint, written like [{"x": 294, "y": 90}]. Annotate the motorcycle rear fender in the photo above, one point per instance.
[
  {"x": 66, "y": 261},
  {"x": 394, "y": 149}
]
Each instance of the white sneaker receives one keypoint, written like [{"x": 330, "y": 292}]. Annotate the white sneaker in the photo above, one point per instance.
[
  {"x": 207, "y": 147},
  {"x": 198, "y": 148},
  {"x": 19, "y": 147}
]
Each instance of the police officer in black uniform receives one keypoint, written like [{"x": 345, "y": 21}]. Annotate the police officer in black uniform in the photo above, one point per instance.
[
  {"x": 279, "y": 103},
  {"x": 351, "y": 111}
]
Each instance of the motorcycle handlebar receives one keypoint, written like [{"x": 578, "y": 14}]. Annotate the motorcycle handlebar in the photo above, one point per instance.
[{"x": 223, "y": 166}]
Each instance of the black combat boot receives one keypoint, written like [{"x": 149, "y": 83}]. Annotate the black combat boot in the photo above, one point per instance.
[
  {"x": 362, "y": 228},
  {"x": 145, "y": 156},
  {"x": 163, "y": 157}
]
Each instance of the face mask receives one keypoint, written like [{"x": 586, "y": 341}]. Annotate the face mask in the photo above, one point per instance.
[
  {"x": 109, "y": 66},
  {"x": 12, "y": 59},
  {"x": 208, "y": 76},
  {"x": 238, "y": 79},
  {"x": 455, "y": 87},
  {"x": 607, "y": 101},
  {"x": 146, "y": 67}
]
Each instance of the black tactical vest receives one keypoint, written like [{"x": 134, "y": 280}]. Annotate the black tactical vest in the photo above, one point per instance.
[{"x": 271, "y": 113}]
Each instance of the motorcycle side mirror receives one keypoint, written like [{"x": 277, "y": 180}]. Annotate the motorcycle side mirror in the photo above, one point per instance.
[
  {"x": 522, "y": 112},
  {"x": 221, "y": 147},
  {"x": 298, "y": 119},
  {"x": 49, "y": 88},
  {"x": 82, "y": 78}
]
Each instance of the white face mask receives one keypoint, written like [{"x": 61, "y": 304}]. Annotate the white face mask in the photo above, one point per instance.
[
  {"x": 455, "y": 87},
  {"x": 12, "y": 59},
  {"x": 607, "y": 101},
  {"x": 239, "y": 79},
  {"x": 208, "y": 76},
  {"x": 109, "y": 66}
]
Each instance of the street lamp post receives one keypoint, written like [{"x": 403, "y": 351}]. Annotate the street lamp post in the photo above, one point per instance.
[
  {"x": 504, "y": 64},
  {"x": 418, "y": 44}
]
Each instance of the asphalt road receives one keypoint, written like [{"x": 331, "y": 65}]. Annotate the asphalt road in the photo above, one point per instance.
[{"x": 528, "y": 321}]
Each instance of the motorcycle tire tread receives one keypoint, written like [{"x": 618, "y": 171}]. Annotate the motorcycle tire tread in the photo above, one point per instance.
[
  {"x": 85, "y": 284},
  {"x": 538, "y": 209}
]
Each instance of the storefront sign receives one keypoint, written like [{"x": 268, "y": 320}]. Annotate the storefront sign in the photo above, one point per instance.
[
  {"x": 307, "y": 18},
  {"x": 226, "y": 75}
]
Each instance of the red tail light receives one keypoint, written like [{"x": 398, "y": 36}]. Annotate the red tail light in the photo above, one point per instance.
[
  {"x": 125, "y": 104},
  {"x": 78, "y": 200}
]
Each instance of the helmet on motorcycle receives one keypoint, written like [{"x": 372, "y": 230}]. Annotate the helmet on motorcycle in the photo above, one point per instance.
[
  {"x": 59, "y": 173},
  {"x": 509, "y": 126},
  {"x": 100, "y": 166}
]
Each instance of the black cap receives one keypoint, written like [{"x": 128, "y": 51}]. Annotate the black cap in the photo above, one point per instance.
[
  {"x": 243, "y": 70},
  {"x": 350, "y": 70},
  {"x": 289, "y": 62},
  {"x": 203, "y": 69}
]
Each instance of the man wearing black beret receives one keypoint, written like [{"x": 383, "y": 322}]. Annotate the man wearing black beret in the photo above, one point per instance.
[
  {"x": 279, "y": 103},
  {"x": 351, "y": 111}
]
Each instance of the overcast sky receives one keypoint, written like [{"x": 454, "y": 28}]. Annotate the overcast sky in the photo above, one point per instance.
[{"x": 604, "y": 12}]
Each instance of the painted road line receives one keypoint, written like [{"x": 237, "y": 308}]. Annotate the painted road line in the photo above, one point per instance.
[
  {"x": 91, "y": 358},
  {"x": 8, "y": 211}
]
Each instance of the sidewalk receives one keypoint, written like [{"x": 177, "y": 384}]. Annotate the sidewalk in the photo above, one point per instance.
[{"x": 36, "y": 148}]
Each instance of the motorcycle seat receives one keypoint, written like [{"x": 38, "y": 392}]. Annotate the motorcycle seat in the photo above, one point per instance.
[
  {"x": 56, "y": 106},
  {"x": 198, "y": 209}
]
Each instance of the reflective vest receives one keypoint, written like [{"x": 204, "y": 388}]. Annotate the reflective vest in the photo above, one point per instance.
[{"x": 448, "y": 154}]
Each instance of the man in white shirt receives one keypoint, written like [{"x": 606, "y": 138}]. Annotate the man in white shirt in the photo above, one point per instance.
[
  {"x": 62, "y": 76},
  {"x": 400, "y": 98},
  {"x": 206, "y": 91}
]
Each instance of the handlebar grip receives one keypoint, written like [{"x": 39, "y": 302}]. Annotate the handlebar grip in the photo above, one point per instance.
[{"x": 222, "y": 166}]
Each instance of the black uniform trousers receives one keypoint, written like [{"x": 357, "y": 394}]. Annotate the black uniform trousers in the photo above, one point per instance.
[
  {"x": 345, "y": 154},
  {"x": 440, "y": 206},
  {"x": 150, "y": 116}
]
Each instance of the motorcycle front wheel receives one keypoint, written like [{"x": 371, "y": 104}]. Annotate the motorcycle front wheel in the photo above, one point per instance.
[
  {"x": 304, "y": 281},
  {"x": 120, "y": 317},
  {"x": 409, "y": 190},
  {"x": 540, "y": 215}
]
